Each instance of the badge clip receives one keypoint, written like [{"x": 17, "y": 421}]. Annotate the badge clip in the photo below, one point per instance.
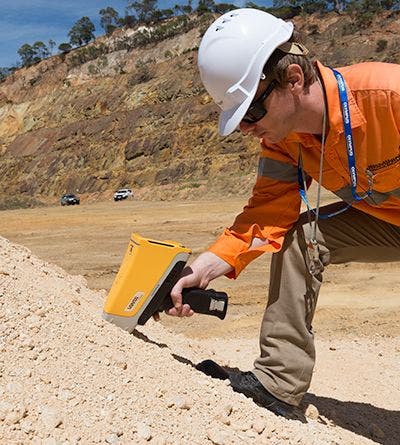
[{"x": 315, "y": 266}]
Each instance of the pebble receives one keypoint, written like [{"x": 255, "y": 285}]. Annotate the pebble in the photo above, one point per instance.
[
  {"x": 251, "y": 434},
  {"x": 15, "y": 415},
  {"x": 120, "y": 361},
  {"x": 32, "y": 355},
  {"x": 112, "y": 438},
  {"x": 5, "y": 408},
  {"x": 40, "y": 312},
  {"x": 223, "y": 418},
  {"x": 180, "y": 402},
  {"x": 312, "y": 412},
  {"x": 45, "y": 379},
  {"x": 26, "y": 426},
  {"x": 50, "y": 417},
  {"x": 33, "y": 321},
  {"x": 65, "y": 395},
  {"x": 143, "y": 431},
  {"x": 243, "y": 424},
  {"x": 27, "y": 343},
  {"x": 259, "y": 425},
  {"x": 217, "y": 437},
  {"x": 14, "y": 388},
  {"x": 228, "y": 408}
]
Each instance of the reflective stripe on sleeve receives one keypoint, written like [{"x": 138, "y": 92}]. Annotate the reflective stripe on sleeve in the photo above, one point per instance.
[
  {"x": 395, "y": 193},
  {"x": 278, "y": 170}
]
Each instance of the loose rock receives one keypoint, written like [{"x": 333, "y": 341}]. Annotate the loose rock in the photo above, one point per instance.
[
  {"x": 312, "y": 412},
  {"x": 50, "y": 417},
  {"x": 143, "y": 431}
]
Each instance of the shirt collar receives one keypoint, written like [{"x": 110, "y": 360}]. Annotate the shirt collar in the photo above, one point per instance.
[{"x": 333, "y": 103}]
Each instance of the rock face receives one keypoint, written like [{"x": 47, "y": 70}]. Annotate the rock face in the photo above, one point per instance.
[
  {"x": 115, "y": 114},
  {"x": 138, "y": 118}
]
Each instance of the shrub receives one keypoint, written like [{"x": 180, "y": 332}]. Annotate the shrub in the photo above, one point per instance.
[
  {"x": 313, "y": 30},
  {"x": 143, "y": 74},
  {"x": 92, "y": 69},
  {"x": 86, "y": 54},
  {"x": 381, "y": 45}
]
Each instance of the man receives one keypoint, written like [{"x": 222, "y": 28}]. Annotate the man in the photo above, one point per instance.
[{"x": 341, "y": 128}]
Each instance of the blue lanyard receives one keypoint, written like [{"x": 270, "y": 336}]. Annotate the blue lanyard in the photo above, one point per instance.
[
  {"x": 303, "y": 195},
  {"x": 351, "y": 159},
  {"x": 344, "y": 103}
]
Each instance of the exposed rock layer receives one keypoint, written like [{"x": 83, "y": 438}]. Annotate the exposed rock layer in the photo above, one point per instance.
[{"x": 141, "y": 118}]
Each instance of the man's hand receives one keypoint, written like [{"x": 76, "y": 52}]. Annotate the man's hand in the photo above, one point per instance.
[{"x": 204, "y": 269}]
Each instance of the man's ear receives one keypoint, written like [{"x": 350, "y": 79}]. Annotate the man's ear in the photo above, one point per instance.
[{"x": 295, "y": 79}]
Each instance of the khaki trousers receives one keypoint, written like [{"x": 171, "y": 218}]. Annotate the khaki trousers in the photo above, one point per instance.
[{"x": 287, "y": 348}]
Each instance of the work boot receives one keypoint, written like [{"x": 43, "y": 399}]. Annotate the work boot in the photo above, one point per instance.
[{"x": 248, "y": 384}]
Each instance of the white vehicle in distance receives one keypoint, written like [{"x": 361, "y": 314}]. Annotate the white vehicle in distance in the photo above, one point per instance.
[{"x": 121, "y": 194}]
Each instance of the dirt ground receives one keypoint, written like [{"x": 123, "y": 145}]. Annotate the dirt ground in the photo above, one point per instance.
[
  {"x": 90, "y": 240},
  {"x": 356, "y": 385}
]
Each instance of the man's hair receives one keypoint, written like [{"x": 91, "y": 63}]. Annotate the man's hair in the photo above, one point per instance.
[{"x": 276, "y": 66}]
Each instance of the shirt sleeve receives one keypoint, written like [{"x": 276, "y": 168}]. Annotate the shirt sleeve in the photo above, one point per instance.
[{"x": 271, "y": 211}]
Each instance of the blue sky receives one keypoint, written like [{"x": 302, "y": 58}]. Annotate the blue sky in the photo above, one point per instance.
[{"x": 28, "y": 21}]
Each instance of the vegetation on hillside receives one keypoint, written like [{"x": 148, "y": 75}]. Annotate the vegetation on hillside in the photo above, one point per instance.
[
  {"x": 155, "y": 24},
  {"x": 137, "y": 13}
]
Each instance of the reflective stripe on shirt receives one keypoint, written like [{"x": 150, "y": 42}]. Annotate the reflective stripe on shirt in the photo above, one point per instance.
[{"x": 278, "y": 170}]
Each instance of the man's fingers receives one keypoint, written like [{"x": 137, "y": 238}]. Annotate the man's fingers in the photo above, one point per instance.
[
  {"x": 188, "y": 279},
  {"x": 176, "y": 295},
  {"x": 173, "y": 311},
  {"x": 186, "y": 311}
]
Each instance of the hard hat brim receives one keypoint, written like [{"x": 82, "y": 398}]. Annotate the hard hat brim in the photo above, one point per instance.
[{"x": 230, "y": 119}]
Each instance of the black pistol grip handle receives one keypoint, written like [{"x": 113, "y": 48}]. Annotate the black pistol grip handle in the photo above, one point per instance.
[{"x": 206, "y": 301}]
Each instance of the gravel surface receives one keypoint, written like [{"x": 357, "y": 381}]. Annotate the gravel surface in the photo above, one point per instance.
[{"x": 68, "y": 377}]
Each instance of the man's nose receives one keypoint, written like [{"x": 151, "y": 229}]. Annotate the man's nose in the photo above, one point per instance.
[{"x": 246, "y": 128}]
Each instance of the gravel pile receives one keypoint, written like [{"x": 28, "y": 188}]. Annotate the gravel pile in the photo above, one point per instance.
[{"x": 68, "y": 377}]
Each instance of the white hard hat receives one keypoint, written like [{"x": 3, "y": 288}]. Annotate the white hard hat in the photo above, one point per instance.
[{"x": 232, "y": 55}]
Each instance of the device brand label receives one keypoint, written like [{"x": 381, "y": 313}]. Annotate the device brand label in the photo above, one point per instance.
[{"x": 134, "y": 301}]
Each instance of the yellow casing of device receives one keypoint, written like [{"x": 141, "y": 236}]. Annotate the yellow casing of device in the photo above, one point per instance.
[{"x": 145, "y": 266}]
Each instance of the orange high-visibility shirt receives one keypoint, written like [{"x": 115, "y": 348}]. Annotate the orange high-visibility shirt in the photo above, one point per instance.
[{"x": 373, "y": 91}]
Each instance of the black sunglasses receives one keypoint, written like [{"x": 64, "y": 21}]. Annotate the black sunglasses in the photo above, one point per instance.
[{"x": 256, "y": 110}]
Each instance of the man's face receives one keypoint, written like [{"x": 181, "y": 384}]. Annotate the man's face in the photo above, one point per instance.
[{"x": 279, "y": 121}]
